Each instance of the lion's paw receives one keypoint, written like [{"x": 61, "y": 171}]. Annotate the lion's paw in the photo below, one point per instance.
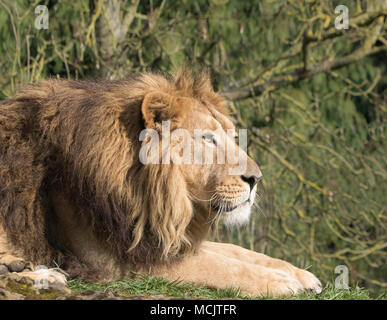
[
  {"x": 308, "y": 280},
  {"x": 281, "y": 284},
  {"x": 10, "y": 263}
]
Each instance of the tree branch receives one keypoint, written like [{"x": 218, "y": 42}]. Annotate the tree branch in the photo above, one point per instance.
[
  {"x": 299, "y": 74},
  {"x": 285, "y": 80}
]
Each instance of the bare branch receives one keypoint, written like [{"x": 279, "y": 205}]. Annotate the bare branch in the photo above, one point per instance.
[{"x": 305, "y": 72}]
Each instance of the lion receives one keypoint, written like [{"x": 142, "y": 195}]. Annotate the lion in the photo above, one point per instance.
[{"x": 73, "y": 192}]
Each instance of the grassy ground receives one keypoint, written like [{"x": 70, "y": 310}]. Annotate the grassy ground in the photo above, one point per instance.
[{"x": 159, "y": 286}]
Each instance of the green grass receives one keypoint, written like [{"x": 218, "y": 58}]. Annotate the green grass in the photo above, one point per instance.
[{"x": 151, "y": 286}]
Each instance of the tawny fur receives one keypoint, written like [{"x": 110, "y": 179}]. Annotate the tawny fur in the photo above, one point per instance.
[
  {"x": 73, "y": 191},
  {"x": 81, "y": 138}
]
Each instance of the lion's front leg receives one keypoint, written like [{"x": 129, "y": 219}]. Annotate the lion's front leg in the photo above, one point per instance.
[
  {"x": 307, "y": 279},
  {"x": 219, "y": 271}
]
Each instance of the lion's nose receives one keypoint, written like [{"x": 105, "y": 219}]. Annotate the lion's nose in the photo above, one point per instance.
[{"x": 252, "y": 180}]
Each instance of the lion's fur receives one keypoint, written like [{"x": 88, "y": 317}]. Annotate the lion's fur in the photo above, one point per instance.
[
  {"x": 81, "y": 137},
  {"x": 74, "y": 192}
]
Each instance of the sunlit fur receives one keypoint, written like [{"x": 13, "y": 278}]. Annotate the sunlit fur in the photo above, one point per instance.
[
  {"x": 74, "y": 193},
  {"x": 81, "y": 138},
  {"x": 241, "y": 215}
]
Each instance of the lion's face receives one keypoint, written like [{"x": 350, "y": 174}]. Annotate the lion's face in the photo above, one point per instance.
[
  {"x": 221, "y": 180},
  {"x": 225, "y": 183}
]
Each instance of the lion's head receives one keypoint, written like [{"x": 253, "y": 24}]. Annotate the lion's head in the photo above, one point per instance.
[
  {"x": 219, "y": 181},
  {"x": 189, "y": 126},
  {"x": 89, "y": 136}
]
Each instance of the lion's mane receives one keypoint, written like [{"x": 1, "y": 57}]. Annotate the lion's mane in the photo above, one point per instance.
[{"x": 82, "y": 137}]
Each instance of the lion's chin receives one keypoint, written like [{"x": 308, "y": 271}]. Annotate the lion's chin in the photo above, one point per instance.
[{"x": 239, "y": 216}]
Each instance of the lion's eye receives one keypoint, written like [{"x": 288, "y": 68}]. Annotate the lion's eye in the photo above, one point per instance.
[{"x": 209, "y": 137}]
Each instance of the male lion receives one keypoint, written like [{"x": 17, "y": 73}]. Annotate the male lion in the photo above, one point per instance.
[{"x": 74, "y": 192}]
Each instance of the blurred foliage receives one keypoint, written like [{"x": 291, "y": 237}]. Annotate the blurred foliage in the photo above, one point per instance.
[{"x": 313, "y": 98}]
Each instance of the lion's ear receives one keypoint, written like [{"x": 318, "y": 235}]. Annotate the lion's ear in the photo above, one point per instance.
[{"x": 157, "y": 107}]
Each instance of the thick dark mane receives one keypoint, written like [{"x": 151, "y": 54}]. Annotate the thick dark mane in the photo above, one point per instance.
[{"x": 81, "y": 137}]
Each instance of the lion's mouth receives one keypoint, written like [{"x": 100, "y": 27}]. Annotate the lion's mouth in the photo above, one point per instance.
[{"x": 224, "y": 207}]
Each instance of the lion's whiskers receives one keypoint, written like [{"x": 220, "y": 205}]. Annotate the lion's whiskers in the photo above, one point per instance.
[
  {"x": 258, "y": 207},
  {"x": 204, "y": 200},
  {"x": 218, "y": 213}
]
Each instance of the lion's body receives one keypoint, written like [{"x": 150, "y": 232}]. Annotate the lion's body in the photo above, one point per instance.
[
  {"x": 72, "y": 188},
  {"x": 79, "y": 141}
]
